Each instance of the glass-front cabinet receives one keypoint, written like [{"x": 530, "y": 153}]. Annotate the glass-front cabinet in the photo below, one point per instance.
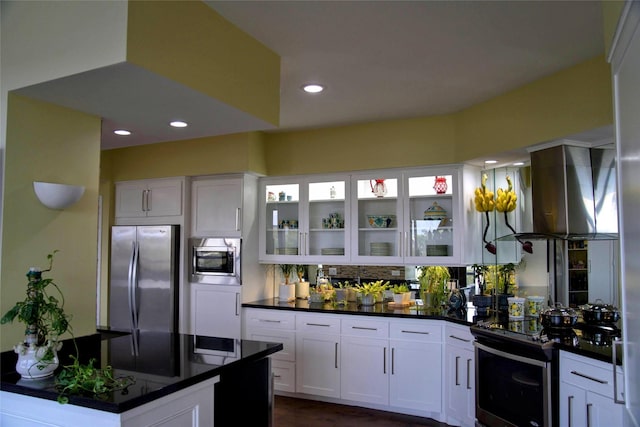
[
  {"x": 304, "y": 220},
  {"x": 406, "y": 218}
]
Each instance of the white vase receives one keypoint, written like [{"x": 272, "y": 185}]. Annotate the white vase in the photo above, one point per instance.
[
  {"x": 287, "y": 292},
  {"x": 302, "y": 290},
  {"x": 37, "y": 361},
  {"x": 368, "y": 299}
]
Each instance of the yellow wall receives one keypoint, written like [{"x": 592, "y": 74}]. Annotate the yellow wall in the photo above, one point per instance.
[
  {"x": 49, "y": 143},
  {"x": 190, "y": 43}
]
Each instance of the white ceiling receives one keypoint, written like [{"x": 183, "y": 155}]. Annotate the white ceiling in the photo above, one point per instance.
[{"x": 379, "y": 60}]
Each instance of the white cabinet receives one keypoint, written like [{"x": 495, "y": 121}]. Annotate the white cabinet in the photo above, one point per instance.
[
  {"x": 423, "y": 210},
  {"x": 416, "y": 365},
  {"x": 216, "y": 207},
  {"x": 275, "y": 326},
  {"x": 304, "y": 219},
  {"x": 149, "y": 198},
  {"x": 215, "y": 310},
  {"x": 459, "y": 376},
  {"x": 318, "y": 355},
  {"x": 364, "y": 371},
  {"x": 587, "y": 392}
]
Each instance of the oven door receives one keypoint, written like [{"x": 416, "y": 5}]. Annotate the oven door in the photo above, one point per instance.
[
  {"x": 511, "y": 390},
  {"x": 215, "y": 261}
]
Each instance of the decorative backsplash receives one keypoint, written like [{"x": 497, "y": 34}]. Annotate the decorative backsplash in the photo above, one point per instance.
[{"x": 365, "y": 272}]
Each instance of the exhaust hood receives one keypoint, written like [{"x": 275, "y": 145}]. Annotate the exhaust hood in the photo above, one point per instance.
[{"x": 573, "y": 191}]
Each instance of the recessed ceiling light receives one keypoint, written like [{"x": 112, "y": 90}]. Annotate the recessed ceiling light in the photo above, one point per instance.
[
  {"x": 122, "y": 132},
  {"x": 179, "y": 124},
  {"x": 313, "y": 88},
  {"x": 490, "y": 162},
  {"x": 518, "y": 164}
]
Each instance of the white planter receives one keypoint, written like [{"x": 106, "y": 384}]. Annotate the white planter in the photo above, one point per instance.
[
  {"x": 368, "y": 299},
  {"x": 402, "y": 298},
  {"x": 302, "y": 290},
  {"x": 35, "y": 362},
  {"x": 287, "y": 292}
]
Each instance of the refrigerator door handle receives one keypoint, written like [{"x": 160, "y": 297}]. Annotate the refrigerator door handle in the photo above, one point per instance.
[
  {"x": 133, "y": 286},
  {"x": 130, "y": 278}
]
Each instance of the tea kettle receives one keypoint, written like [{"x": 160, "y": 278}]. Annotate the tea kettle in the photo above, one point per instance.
[{"x": 379, "y": 188}]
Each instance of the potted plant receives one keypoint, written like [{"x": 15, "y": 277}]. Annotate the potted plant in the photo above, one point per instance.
[
  {"x": 401, "y": 293},
  {"x": 371, "y": 292},
  {"x": 433, "y": 281},
  {"x": 287, "y": 289},
  {"x": 45, "y": 320}
]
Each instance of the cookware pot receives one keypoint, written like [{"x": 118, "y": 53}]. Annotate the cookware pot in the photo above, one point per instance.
[
  {"x": 599, "y": 312},
  {"x": 558, "y": 317}
]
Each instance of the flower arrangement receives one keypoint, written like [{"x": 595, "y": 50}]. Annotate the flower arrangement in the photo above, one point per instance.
[{"x": 433, "y": 281}]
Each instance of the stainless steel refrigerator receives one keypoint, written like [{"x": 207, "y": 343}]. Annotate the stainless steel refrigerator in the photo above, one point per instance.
[{"x": 144, "y": 278}]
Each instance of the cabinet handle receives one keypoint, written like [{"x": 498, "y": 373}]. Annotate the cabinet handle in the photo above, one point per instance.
[
  {"x": 615, "y": 376},
  {"x": 277, "y": 376},
  {"x": 363, "y": 328},
  {"x": 237, "y": 219},
  {"x": 237, "y": 303},
  {"x": 415, "y": 332},
  {"x": 306, "y": 243},
  {"x": 589, "y": 405},
  {"x": 400, "y": 244},
  {"x": 318, "y": 324},
  {"x": 393, "y": 361},
  {"x": 268, "y": 321},
  {"x": 569, "y": 410},
  {"x": 335, "y": 356},
  {"x": 143, "y": 204},
  {"x": 384, "y": 360},
  {"x": 468, "y": 374},
  {"x": 457, "y": 358},
  {"x": 589, "y": 378},
  {"x": 148, "y": 201},
  {"x": 458, "y": 338},
  {"x": 407, "y": 247}
]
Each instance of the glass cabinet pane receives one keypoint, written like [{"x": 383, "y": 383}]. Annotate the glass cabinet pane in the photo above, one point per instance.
[
  {"x": 282, "y": 219},
  {"x": 430, "y": 216},
  {"x": 327, "y": 218},
  {"x": 379, "y": 224}
]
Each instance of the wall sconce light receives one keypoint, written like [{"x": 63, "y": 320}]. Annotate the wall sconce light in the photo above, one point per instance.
[{"x": 57, "y": 196}]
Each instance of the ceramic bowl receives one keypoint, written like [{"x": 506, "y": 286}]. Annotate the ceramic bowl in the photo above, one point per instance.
[{"x": 381, "y": 221}]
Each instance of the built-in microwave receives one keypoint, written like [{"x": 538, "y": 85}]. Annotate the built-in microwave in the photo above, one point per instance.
[{"x": 215, "y": 260}]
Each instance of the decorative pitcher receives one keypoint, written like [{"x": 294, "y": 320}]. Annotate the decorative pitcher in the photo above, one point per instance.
[
  {"x": 440, "y": 185},
  {"x": 379, "y": 188}
]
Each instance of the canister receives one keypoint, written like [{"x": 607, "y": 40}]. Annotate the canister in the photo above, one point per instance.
[{"x": 516, "y": 307}]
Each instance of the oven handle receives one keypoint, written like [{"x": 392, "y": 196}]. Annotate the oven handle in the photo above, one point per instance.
[{"x": 509, "y": 356}]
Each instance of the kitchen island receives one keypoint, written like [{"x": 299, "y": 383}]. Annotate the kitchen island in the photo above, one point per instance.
[{"x": 180, "y": 380}]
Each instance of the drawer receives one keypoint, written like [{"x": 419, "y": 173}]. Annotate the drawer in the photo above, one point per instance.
[
  {"x": 364, "y": 327},
  {"x": 284, "y": 375},
  {"x": 318, "y": 324},
  {"x": 459, "y": 336},
  {"x": 272, "y": 319},
  {"x": 416, "y": 330},
  {"x": 589, "y": 374},
  {"x": 287, "y": 338}
]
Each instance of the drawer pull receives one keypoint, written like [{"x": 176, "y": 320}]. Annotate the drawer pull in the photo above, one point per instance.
[
  {"x": 384, "y": 360},
  {"x": 458, "y": 338},
  {"x": 589, "y": 378},
  {"x": 589, "y": 405},
  {"x": 569, "y": 410},
  {"x": 318, "y": 324},
  {"x": 468, "y": 374},
  {"x": 415, "y": 332},
  {"x": 268, "y": 321},
  {"x": 457, "y": 358},
  {"x": 277, "y": 376},
  {"x": 363, "y": 328},
  {"x": 393, "y": 360},
  {"x": 335, "y": 356}
]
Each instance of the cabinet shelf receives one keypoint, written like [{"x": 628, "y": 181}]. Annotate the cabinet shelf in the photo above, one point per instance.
[
  {"x": 378, "y": 229},
  {"x": 328, "y": 230}
]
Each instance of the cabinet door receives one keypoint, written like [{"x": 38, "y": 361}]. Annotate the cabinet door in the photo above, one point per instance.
[
  {"x": 364, "y": 370},
  {"x": 603, "y": 269},
  {"x": 216, "y": 310},
  {"x": 281, "y": 221},
  {"x": 164, "y": 197},
  {"x": 431, "y": 217},
  {"x": 131, "y": 199},
  {"x": 416, "y": 375},
  {"x": 602, "y": 411},
  {"x": 216, "y": 207},
  {"x": 573, "y": 407},
  {"x": 377, "y": 229},
  {"x": 460, "y": 384},
  {"x": 317, "y": 364}
]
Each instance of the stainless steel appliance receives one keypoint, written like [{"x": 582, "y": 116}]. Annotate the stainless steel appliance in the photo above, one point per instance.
[
  {"x": 216, "y": 260},
  {"x": 144, "y": 277}
]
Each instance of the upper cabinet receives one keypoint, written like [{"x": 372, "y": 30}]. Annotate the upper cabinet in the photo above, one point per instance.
[
  {"x": 150, "y": 198},
  {"x": 216, "y": 207},
  {"x": 406, "y": 218},
  {"x": 388, "y": 217},
  {"x": 304, "y": 219}
]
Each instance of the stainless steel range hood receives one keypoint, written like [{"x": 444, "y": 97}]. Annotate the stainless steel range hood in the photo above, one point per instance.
[{"x": 573, "y": 192}]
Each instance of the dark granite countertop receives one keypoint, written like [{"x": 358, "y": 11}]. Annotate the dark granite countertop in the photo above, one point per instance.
[
  {"x": 465, "y": 316},
  {"x": 580, "y": 344},
  {"x": 166, "y": 363}
]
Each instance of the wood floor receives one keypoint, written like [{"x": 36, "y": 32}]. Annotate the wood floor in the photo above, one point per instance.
[{"x": 291, "y": 412}]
